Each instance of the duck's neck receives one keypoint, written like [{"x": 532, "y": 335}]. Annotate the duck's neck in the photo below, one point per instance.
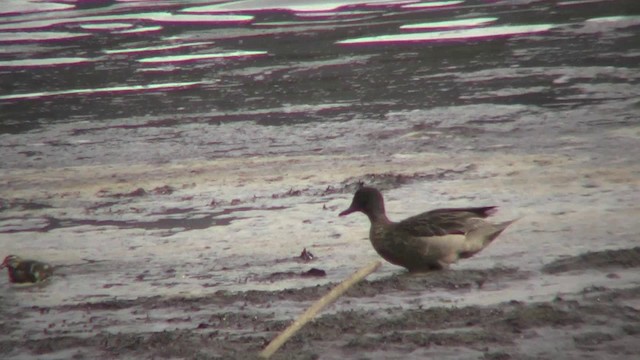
[{"x": 379, "y": 218}]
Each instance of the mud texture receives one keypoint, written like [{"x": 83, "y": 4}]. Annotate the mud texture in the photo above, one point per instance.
[
  {"x": 591, "y": 323},
  {"x": 623, "y": 258}
]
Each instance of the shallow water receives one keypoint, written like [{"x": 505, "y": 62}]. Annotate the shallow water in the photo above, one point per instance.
[{"x": 248, "y": 132}]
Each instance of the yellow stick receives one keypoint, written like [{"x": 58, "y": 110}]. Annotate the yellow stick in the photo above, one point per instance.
[{"x": 311, "y": 312}]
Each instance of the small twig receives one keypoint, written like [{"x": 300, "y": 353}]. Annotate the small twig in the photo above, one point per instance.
[{"x": 311, "y": 312}]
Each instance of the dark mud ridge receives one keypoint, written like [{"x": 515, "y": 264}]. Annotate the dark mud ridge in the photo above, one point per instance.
[
  {"x": 597, "y": 322},
  {"x": 625, "y": 258}
]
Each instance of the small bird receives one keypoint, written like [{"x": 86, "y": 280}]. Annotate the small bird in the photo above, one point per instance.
[
  {"x": 428, "y": 241},
  {"x": 26, "y": 271}
]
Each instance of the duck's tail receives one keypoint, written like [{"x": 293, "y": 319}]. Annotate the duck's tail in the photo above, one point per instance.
[
  {"x": 482, "y": 236},
  {"x": 497, "y": 230}
]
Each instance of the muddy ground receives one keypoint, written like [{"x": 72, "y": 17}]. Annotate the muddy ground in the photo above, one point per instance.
[
  {"x": 596, "y": 322},
  {"x": 174, "y": 198}
]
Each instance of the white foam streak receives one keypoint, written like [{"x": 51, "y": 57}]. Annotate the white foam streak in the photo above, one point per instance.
[
  {"x": 114, "y": 89},
  {"x": 187, "y": 18},
  {"x": 107, "y": 26},
  {"x": 620, "y": 21},
  {"x": 39, "y": 36},
  {"x": 43, "y": 62},
  {"x": 433, "y": 4},
  {"x": 21, "y": 7},
  {"x": 296, "y": 6},
  {"x": 487, "y": 32},
  {"x": 450, "y": 24},
  {"x": 150, "y": 16},
  {"x": 155, "y": 48},
  {"x": 139, "y": 30},
  {"x": 183, "y": 58}
]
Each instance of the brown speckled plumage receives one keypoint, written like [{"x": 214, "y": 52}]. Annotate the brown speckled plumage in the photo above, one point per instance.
[{"x": 26, "y": 271}]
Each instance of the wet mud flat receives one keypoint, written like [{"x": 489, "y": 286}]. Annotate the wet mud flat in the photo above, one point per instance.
[
  {"x": 202, "y": 263},
  {"x": 595, "y": 322}
]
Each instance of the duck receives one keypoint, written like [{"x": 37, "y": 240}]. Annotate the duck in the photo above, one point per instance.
[
  {"x": 26, "y": 271},
  {"x": 428, "y": 241}
]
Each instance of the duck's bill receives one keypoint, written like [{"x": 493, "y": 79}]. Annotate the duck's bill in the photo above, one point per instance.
[{"x": 347, "y": 212}]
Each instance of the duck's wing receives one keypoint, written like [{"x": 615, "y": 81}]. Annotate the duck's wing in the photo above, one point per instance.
[{"x": 443, "y": 222}]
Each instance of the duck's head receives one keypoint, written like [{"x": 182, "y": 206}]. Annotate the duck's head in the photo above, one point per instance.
[
  {"x": 10, "y": 261},
  {"x": 367, "y": 200}
]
